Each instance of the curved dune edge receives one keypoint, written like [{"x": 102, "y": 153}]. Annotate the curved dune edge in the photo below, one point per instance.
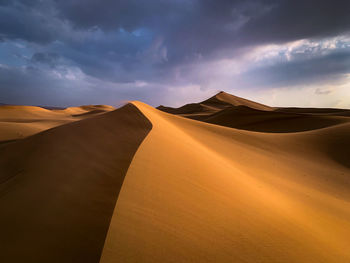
[
  {"x": 58, "y": 188},
  {"x": 197, "y": 192},
  {"x": 18, "y": 122}
]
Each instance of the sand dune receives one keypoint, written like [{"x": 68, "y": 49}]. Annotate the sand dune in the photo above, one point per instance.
[
  {"x": 85, "y": 109},
  {"x": 275, "y": 190},
  {"x": 218, "y": 102},
  {"x": 246, "y": 118},
  {"x": 202, "y": 193},
  {"x": 234, "y": 112},
  {"x": 17, "y": 122},
  {"x": 58, "y": 188},
  {"x": 24, "y": 112},
  {"x": 314, "y": 111}
]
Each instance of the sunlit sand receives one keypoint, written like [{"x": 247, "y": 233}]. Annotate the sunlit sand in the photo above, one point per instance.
[{"x": 224, "y": 180}]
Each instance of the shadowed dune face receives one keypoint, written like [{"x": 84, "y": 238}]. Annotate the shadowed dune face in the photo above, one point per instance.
[
  {"x": 234, "y": 112},
  {"x": 59, "y": 187},
  {"x": 18, "y": 122},
  {"x": 335, "y": 141},
  {"x": 197, "y": 192},
  {"x": 324, "y": 111},
  {"x": 245, "y": 118}
]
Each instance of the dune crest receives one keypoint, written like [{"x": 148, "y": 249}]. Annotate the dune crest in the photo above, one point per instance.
[
  {"x": 197, "y": 192},
  {"x": 58, "y": 188},
  {"x": 220, "y": 101}
]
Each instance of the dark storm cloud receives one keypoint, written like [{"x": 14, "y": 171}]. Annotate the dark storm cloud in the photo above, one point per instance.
[
  {"x": 27, "y": 20},
  {"x": 298, "y": 19},
  {"x": 127, "y": 14},
  {"x": 123, "y": 41},
  {"x": 262, "y": 19},
  {"x": 45, "y": 58},
  {"x": 204, "y": 26},
  {"x": 197, "y": 25},
  {"x": 23, "y": 85},
  {"x": 36, "y": 86},
  {"x": 302, "y": 71}
]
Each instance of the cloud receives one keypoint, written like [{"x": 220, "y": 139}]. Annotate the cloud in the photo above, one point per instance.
[
  {"x": 325, "y": 91},
  {"x": 324, "y": 68},
  {"x": 169, "y": 46},
  {"x": 27, "y": 20},
  {"x": 49, "y": 58},
  {"x": 68, "y": 86},
  {"x": 299, "y": 19}
]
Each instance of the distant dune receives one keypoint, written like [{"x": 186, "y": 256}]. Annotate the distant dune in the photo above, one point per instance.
[
  {"x": 21, "y": 121},
  {"x": 223, "y": 180},
  {"x": 231, "y": 111},
  {"x": 220, "y": 101}
]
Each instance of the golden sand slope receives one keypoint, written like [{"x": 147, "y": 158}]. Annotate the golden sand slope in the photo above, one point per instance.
[
  {"x": 194, "y": 192},
  {"x": 197, "y": 192},
  {"x": 58, "y": 188},
  {"x": 17, "y": 122}
]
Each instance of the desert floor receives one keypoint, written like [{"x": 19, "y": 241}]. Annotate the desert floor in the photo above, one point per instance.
[{"x": 223, "y": 180}]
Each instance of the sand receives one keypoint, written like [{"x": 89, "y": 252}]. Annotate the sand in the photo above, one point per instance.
[
  {"x": 18, "y": 122},
  {"x": 227, "y": 110},
  {"x": 197, "y": 192},
  {"x": 58, "y": 188},
  {"x": 246, "y": 118},
  {"x": 218, "y": 102},
  {"x": 141, "y": 185}
]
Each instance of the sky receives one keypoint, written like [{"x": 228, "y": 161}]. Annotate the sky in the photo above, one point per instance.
[{"x": 171, "y": 52}]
